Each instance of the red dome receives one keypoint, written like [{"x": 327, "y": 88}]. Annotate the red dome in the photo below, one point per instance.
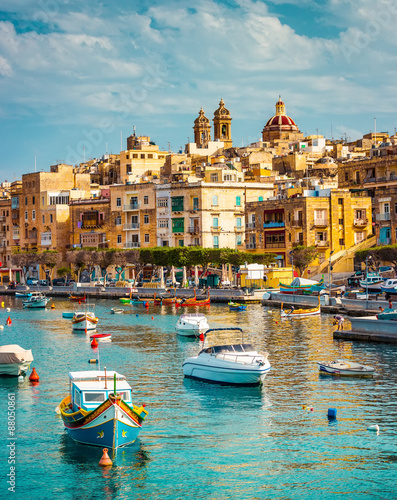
[{"x": 278, "y": 120}]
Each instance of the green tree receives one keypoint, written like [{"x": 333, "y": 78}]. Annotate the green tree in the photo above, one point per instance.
[
  {"x": 303, "y": 257},
  {"x": 48, "y": 260},
  {"x": 63, "y": 272}
]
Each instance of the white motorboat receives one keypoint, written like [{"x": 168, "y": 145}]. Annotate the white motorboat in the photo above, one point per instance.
[
  {"x": 116, "y": 310},
  {"x": 14, "y": 360},
  {"x": 84, "y": 318},
  {"x": 36, "y": 300},
  {"x": 372, "y": 282},
  {"x": 389, "y": 286},
  {"x": 238, "y": 364},
  {"x": 344, "y": 367},
  {"x": 191, "y": 325}
]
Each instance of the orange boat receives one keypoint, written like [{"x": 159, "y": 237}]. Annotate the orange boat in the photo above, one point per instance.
[
  {"x": 166, "y": 300},
  {"x": 192, "y": 301}
]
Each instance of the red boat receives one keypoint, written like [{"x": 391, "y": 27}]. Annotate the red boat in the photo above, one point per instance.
[
  {"x": 101, "y": 337},
  {"x": 193, "y": 301},
  {"x": 77, "y": 297}
]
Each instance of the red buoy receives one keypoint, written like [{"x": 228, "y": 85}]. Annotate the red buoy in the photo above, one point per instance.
[
  {"x": 33, "y": 376},
  {"x": 94, "y": 343},
  {"x": 105, "y": 460},
  {"x": 201, "y": 336},
  {"x": 8, "y": 322}
]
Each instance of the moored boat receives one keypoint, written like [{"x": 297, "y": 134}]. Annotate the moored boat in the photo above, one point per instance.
[
  {"x": 195, "y": 301},
  {"x": 14, "y": 360},
  {"x": 234, "y": 306},
  {"x": 35, "y": 301},
  {"x": 373, "y": 282},
  {"x": 101, "y": 337},
  {"x": 116, "y": 310},
  {"x": 23, "y": 295},
  {"x": 96, "y": 414},
  {"x": 77, "y": 297},
  {"x": 389, "y": 286},
  {"x": 68, "y": 314},
  {"x": 191, "y": 325},
  {"x": 302, "y": 285},
  {"x": 344, "y": 367},
  {"x": 300, "y": 313},
  {"x": 84, "y": 318},
  {"x": 237, "y": 364}
]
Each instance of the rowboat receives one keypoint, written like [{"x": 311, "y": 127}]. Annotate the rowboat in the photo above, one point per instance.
[
  {"x": 75, "y": 297},
  {"x": 300, "y": 313},
  {"x": 101, "y": 337},
  {"x": 344, "y": 367},
  {"x": 238, "y": 364},
  {"x": 124, "y": 300},
  {"x": 84, "y": 318},
  {"x": 96, "y": 414},
  {"x": 116, "y": 310},
  {"x": 234, "y": 306}
]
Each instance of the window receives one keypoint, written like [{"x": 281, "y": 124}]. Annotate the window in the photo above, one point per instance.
[
  {"x": 150, "y": 156},
  {"x": 178, "y": 225},
  {"x": 118, "y": 202},
  {"x": 238, "y": 201},
  {"x": 26, "y": 216},
  {"x": 239, "y": 239},
  {"x": 146, "y": 219},
  {"x": 134, "y": 202},
  {"x": 238, "y": 222},
  {"x": 51, "y": 217},
  {"x": 142, "y": 156},
  {"x": 162, "y": 223},
  {"x": 341, "y": 222},
  {"x": 215, "y": 200},
  {"x": 214, "y": 177},
  {"x": 146, "y": 238},
  {"x": 146, "y": 200},
  {"x": 43, "y": 218},
  {"x": 177, "y": 203},
  {"x": 33, "y": 214},
  {"x": 42, "y": 200},
  {"x": 357, "y": 177},
  {"x": 77, "y": 398},
  {"x": 117, "y": 220},
  {"x": 180, "y": 243},
  {"x": 215, "y": 222},
  {"x": 59, "y": 199},
  {"x": 162, "y": 202},
  {"x": 227, "y": 177},
  {"x": 33, "y": 200},
  {"x": 340, "y": 201},
  {"x": 94, "y": 397},
  {"x": 341, "y": 242},
  {"x": 26, "y": 200},
  {"x": 346, "y": 176},
  {"x": 386, "y": 208},
  {"x": 119, "y": 238},
  {"x": 195, "y": 203},
  {"x": 215, "y": 241}
]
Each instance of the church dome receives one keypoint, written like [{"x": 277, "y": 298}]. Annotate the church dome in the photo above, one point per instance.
[
  {"x": 280, "y": 121},
  {"x": 201, "y": 119}
]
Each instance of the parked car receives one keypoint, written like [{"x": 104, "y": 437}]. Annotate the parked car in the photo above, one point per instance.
[
  {"x": 43, "y": 283},
  {"x": 169, "y": 283},
  {"x": 32, "y": 281},
  {"x": 58, "y": 282}
]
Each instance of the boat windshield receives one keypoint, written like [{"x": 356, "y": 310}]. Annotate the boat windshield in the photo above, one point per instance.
[{"x": 232, "y": 348}]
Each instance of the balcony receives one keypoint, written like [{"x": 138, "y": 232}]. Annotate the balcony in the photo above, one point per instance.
[
  {"x": 269, "y": 224},
  {"x": 216, "y": 229},
  {"x": 320, "y": 222},
  {"x": 250, "y": 225},
  {"x": 297, "y": 223},
  {"x": 92, "y": 224},
  {"x": 2, "y": 218},
  {"x": 251, "y": 246},
  {"x": 132, "y": 225},
  {"x": 132, "y": 206},
  {"x": 321, "y": 244},
  {"x": 193, "y": 229},
  {"x": 384, "y": 216},
  {"x": 279, "y": 244},
  {"x": 132, "y": 244},
  {"x": 383, "y": 241},
  {"x": 238, "y": 229},
  {"x": 360, "y": 222}
]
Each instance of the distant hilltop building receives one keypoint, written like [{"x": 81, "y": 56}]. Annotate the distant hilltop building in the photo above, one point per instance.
[{"x": 281, "y": 127}]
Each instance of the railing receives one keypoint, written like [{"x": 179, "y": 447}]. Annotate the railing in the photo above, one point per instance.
[
  {"x": 193, "y": 229},
  {"x": 384, "y": 216},
  {"x": 238, "y": 228},
  {"x": 321, "y": 222},
  {"x": 280, "y": 244},
  {"x": 360, "y": 222},
  {"x": 251, "y": 225},
  {"x": 251, "y": 245},
  {"x": 322, "y": 243},
  {"x": 132, "y": 225},
  {"x": 383, "y": 241},
  {"x": 216, "y": 229},
  {"x": 269, "y": 223},
  {"x": 132, "y": 206},
  {"x": 132, "y": 244},
  {"x": 297, "y": 222}
]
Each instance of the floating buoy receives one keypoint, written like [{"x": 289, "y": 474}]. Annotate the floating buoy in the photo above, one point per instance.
[
  {"x": 94, "y": 343},
  {"x": 33, "y": 377},
  {"x": 105, "y": 460},
  {"x": 311, "y": 408},
  {"x": 136, "y": 315},
  {"x": 201, "y": 336},
  {"x": 8, "y": 322},
  {"x": 85, "y": 330},
  {"x": 93, "y": 361},
  {"x": 331, "y": 414},
  {"x": 1, "y": 327},
  {"x": 53, "y": 306},
  {"x": 8, "y": 309},
  {"x": 152, "y": 317},
  {"x": 147, "y": 305},
  {"x": 79, "y": 302},
  {"x": 20, "y": 378},
  {"x": 373, "y": 428},
  {"x": 276, "y": 322},
  {"x": 2, "y": 304},
  {"x": 303, "y": 407}
]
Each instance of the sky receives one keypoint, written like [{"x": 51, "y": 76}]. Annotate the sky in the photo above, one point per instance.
[{"x": 77, "y": 77}]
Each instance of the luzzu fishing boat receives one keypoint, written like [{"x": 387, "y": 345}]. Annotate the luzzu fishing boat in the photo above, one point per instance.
[
  {"x": 196, "y": 301},
  {"x": 84, "y": 318},
  {"x": 300, "y": 313},
  {"x": 301, "y": 285},
  {"x": 96, "y": 414},
  {"x": 234, "y": 306},
  {"x": 76, "y": 297}
]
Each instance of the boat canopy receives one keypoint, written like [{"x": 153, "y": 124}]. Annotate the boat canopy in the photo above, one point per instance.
[
  {"x": 233, "y": 348},
  {"x": 14, "y": 354}
]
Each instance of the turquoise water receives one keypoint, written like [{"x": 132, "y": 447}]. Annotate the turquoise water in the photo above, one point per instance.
[{"x": 200, "y": 440}]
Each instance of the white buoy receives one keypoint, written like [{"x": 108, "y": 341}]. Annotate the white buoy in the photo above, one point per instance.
[
  {"x": 373, "y": 428},
  {"x": 8, "y": 309},
  {"x": 1, "y": 327},
  {"x": 20, "y": 378}
]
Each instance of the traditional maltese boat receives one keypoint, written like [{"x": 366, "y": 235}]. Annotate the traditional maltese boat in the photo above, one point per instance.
[
  {"x": 84, "y": 318},
  {"x": 300, "y": 313},
  {"x": 302, "y": 285},
  {"x": 234, "y": 306},
  {"x": 238, "y": 364},
  {"x": 35, "y": 301},
  {"x": 97, "y": 414},
  {"x": 344, "y": 367},
  {"x": 191, "y": 325},
  {"x": 196, "y": 301},
  {"x": 14, "y": 360},
  {"x": 76, "y": 297}
]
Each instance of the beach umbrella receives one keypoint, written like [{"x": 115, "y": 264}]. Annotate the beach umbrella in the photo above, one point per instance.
[
  {"x": 161, "y": 278},
  {"x": 224, "y": 276},
  {"x": 196, "y": 277},
  {"x": 173, "y": 275},
  {"x": 184, "y": 278},
  {"x": 230, "y": 274}
]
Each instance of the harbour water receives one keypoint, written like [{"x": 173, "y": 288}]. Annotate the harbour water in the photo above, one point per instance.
[{"x": 200, "y": 440}]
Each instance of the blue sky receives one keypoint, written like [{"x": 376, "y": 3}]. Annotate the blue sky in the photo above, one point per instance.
[{"x": 75, "y": 77}]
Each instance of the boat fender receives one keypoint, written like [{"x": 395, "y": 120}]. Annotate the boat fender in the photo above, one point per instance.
[
  {"x": 331, "y": 414},
  {"x": 93, "y": 361},
  {"x": 373, "y": 428}
]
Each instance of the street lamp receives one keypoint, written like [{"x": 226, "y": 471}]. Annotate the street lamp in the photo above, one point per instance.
[
  {"x": 368, "y": 257},
  {"x": 329, "y": 277}
]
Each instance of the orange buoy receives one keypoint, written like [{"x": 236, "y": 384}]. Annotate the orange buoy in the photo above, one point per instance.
[
  {"x": 33, "y": 377},
  {"x": 201, "y": 336},
  {"x": 105, "y": 460},
  {"x": 79, "y": 302},
  {"x": 152, "y": 317},
  {"x": 8, "y": 322},
  {"x": 94, "y": 343},
  {"x": 53, "y": 306}
]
